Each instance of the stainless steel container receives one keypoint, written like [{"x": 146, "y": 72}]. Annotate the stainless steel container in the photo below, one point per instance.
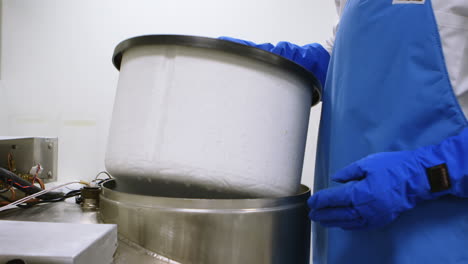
[{"x": 199, "y": 230}]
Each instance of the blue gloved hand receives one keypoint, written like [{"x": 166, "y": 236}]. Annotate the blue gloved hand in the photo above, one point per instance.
[
  {"x": 380, "y": 187},
  {"x": 312, "y": 57}
]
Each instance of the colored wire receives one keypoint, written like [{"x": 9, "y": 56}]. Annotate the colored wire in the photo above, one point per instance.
[
  {"x": 8, "y": 201},
  {"x": 24, "y": 185},
  {"x": 13, "y": 194},
  {"x": 10, "y": 168},
  {"x": 10, "y": 162},
  {"x": 41, "y": 183},
  {"x": 17, "y": 185},
  {"x": 20, "y": 201},
  {"x": 35, "y": 174},
  {"x": 6, "y": 189}
]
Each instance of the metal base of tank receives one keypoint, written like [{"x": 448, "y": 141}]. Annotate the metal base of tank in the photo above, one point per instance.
[{"x": 210, "y": 231}]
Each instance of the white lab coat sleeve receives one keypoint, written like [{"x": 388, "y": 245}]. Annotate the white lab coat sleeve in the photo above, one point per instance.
[
  {"x": 339, "y": 9},
  {"x": 452, "y": 21}
]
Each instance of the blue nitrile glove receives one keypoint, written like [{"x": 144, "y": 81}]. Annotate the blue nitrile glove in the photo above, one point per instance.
[
  {"x": 381, "y": 186},
  {"x": 313, "y": 57}
]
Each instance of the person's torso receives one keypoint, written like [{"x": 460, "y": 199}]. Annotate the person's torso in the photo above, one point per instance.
[
  {"x": 452, "y": 20},
  {"x": 389, "y": 89}
]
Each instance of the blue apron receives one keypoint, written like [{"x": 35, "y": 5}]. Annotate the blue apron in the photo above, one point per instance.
[{"x": 388, "y": 90}]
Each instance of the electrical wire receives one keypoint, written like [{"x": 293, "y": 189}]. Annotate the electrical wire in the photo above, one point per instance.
[
  {"x": 20, "y": 201},
  {"x": 8, "y": 201},
  {"x": 41, "y": 183},
  {"x": 102, "y": 172},
  {"x": 11, "y": 162},
  {"x": 37, "y": 173},
  {"x": 101, "y": 182},
  {"x": 5, "y": 200},
  {"x": 66, "y": 196},
  {"x": 13, "y": 194},
  {"x": 6, "y": 189},
  {"x": 24, "y": 185}
]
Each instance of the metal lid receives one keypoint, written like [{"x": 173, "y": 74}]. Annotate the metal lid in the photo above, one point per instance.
[{"x": 222, "y": 45}]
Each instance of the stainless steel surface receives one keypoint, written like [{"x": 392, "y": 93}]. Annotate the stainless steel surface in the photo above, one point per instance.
[
  {"x": 62, "y": 212},
  {"x": 28, "y": 152},
  {"x": 212, "y": 231},
  {"x": 69, "y": 212}
]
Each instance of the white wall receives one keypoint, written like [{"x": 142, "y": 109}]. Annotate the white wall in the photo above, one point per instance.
[{"x": 58, "y": 79}]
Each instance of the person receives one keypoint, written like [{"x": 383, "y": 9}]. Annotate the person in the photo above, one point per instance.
[{"x": 391, "y": 177}]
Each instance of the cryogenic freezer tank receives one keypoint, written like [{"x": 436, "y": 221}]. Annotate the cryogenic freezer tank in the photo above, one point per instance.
[
  {"x": 210, "y": 114},
  {"x": 199, "y": 229}
]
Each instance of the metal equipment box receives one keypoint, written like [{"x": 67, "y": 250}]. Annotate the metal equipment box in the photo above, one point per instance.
[{"x": 28, "y": 152}]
